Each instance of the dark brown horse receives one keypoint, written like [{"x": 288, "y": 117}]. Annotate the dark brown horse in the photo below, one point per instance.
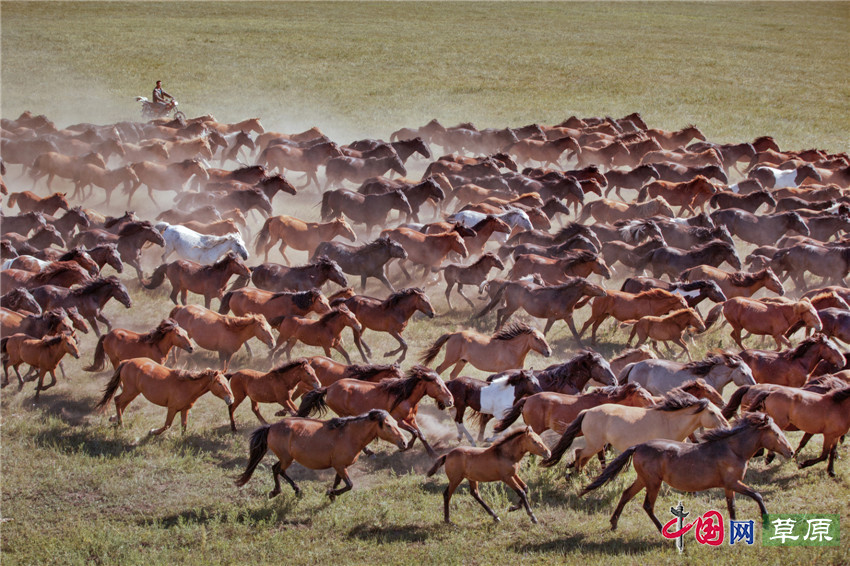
[
  {"x": 475, "y": 274},
  {"x": 760, "y": 230},
  {"x": 365, "y": 261},
  {"x": 89, "y": 299},
  {"x": 371, "y": 210},
  {"x": 206, "y": 280},
  {"x": 275, "y": 277},
  {"x": 671, "y": 261},
  {"x": 129, "y": 241}
]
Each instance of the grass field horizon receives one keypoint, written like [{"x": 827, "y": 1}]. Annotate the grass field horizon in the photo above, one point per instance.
[{"x": 76, "y": 490}]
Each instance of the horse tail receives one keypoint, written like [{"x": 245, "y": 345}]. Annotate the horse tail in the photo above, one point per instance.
[
  {"x": 99, "y": 357},
  {"x": 224, "y": 308},
  {"x": 611, "y": 470},
  {"x": 758, "y": 401},
  {"x": 642, "y": 194},
  {"x": 794, "y": 328},
  {"x": 437, "y": 465},
  {"x": 263, "y": 237},
  {"x": 497, "y": 298},
  {"x": 12, "y": 199},
  {"x": 258, "y": 447},
  {"x": 111, "y": 388},
  {"x": 512, "y": 416},
  {"x": 735, "y": 401},
  {"x": 566, "y": 441},
  {"x": 585, "y": 212},
  {"x": 327, "y": 209},
  {"x": 432, "y": 352},
  {"x": 583, "y": 301},
  {"x": 3, "y": 353},
  {"x": 314, "y": 402},
  {"x": 623, "y": 378},
  {"x": 712, "y": 316},
  {"x": 157, "y": 277}
]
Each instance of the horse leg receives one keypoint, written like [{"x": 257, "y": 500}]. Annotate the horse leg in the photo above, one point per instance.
[
  {"x": 458, "y": 368},
  {"x": 485, "y": 418},
  {"x": 248, "y": 349},
  {"x": 341, "y": 473},
  {"x": 473, "y": 489},
  {"x": 520, "y": 490},
  {"x": 461, "y": 430},
  {"x": 169, "y": 418},
  {"x": 402, "y": 347},
  {"x": 39, "y": 387},
  {"x": 730, "y": 503},
  {"x": 290, "y": 481},
  {"x": 52, "y": 380},
  {"x": 449, "y": 287},
  {"x": 414, "y": 428},
  {"x": 678, "y": 340},
  {"x": 627, "y": 496},
  {"x": 276, "y": 471},
  {"x": 383, "y": 279},
  {"x": 342, "y": 351},
  {"x": 99, "y": 316},
  {"x": 256, "y": 408},
  {"x": 572, "y": 325},
  {"x": 184, "y": 419},
  {"x": 460, "y": 292},
  {"x": 736, "y": 336},
  {"x": 447, "y": 497},
  {"x": 744, "y": 489},
  {"x": 803, "y": 442},
  {"x": 649, "y": 503},
  {"x": 825, "y": 454}
]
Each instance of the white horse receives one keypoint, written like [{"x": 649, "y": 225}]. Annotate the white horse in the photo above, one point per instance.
[
  {"x": 201, "y": 248},
  {"x": 514, "y": 217}
]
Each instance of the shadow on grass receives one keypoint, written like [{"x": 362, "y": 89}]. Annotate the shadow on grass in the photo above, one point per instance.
[
  {"x": 390, "y": 534},
  {"x": 607, "y": 546},
  {"x": 70, "y": 410},
  {"x": 278, "y": 515},
  {"x": 81, "y": 441}
]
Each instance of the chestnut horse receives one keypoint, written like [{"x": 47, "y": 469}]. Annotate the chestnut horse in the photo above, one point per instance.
[
  {"x": 506, "y": 349},
  {"x": 628, "y": 306},
  {"x": 767, "y": 318},
  {"x": 499, "y": 462},
  {"x": 299, "y": 235},
  {"x": 30, "y": 202},
  {"x": 738, "y": 283},
  {"x": 330, "y": 371},
  {"x": 119, "y": 345},
  {"x": 398, "y": 396},
  {"x": 688, "y": 195},
  {"x": 175, "y": 389},
  {"x": 206, "y": 280},
  {"x": 792, "y": 367},
  {"x": 325, "y": 333},
  {"x": 670, "y": 327},
  {"x": 275, "y": 386},
  {"x": 221, "y": 333},
  {"x": 719, "y": 460},
  {"x": 390, "y": 315},
  {"x": 272, "y": 305},
  {"x": 65, "y": 275},
  {"x": 42, "y": 354},
  {"x": 427, "y": 250},
  {"x": 550, "y": 410},
  {"x": 318, "y": 445},
  {"x": 559, "y": 270}
]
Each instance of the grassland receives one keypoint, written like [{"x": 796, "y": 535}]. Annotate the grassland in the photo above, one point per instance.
[{"x": 76, "y": 490}]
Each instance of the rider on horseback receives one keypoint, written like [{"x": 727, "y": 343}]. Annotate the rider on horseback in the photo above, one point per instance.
[{"x": 160, "y": 97}]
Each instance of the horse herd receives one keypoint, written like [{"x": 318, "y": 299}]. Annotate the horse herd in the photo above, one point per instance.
[{"x": 515, "y": 190}]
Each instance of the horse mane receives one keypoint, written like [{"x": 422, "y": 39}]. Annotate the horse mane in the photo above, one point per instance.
[
  {"x": 366, "y": 372},
  {"x": 841, "y": 394},
  {"x": 488, "y": 255},
  {"x": 242, "y": 321},
  {"x": 302, "y": 300},
  {"x": 803, "y": 347},
  {"x": 93, "y": 286},
  {"x": 712, "y": 244},
  {"x": 71, "y": 254},
  {"x": 135, "y": 227},
  {"x": 329, "y": 316},
  {"x": 373, "y": 415},
  {"x": 224, "y": 261},
  {"x": 560, "y": 374},
  {"x": 747, "y": 422},
  {"x": 54, "y": 268},
  {"x": 401, "y": 388},
  {"x": 626, "y": 353},
  {"x": 186, "y": 375},
  {"x": 746, "y": 278},
  {"x": 616, "y": 393},
  {"x": 656, "y": 294},
  {"x": 300, "y": 362},
  {"x": 511, "y": 331},
  {"x": 704, "y": 367},
  {"x": 159, "y": 332},
  {"x": 676, "y": 401},
  {"x": 382, "y": 242},
  {"x": 572, "y": 229},
  {"x": 499, "y": 444},
  {"x": 52, "y": 340},
  {"x": 324, "y": 262},
  {"x": 393, "y": 300},
  {"x": 480, "y": 224},
  {"x": 583, "y": 256}
]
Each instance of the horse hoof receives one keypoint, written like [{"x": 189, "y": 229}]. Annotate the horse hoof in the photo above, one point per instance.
[
  {"x": 534, "y": 520},
  {"x": 280, "y": 413},
  {"x": 274, "y": 493},
  {"x": 497, "y": 520}
]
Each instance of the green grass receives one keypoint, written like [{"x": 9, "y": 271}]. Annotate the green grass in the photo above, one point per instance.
[{"x": 76, "y": 490}]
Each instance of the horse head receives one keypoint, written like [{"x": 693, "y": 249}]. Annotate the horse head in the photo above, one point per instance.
[{"x": 388, "y": 428}]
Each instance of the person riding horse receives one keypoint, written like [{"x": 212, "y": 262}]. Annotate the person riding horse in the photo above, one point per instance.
[{"x": 160, "y": 98}]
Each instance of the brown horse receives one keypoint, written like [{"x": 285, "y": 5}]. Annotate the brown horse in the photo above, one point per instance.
[
  {"x": 57, "y": 321},
  {"x": 792, "y": 367},
  {"x": 689, "y": 195},
  {"x": 631, "y": 356},
  {"x": 275, "y": 386},
  {"x": 398, "y": 396},
  {"x": 475, "y": 274},
  {"x": 175, "y": 389},
  {"x": 767, "y": 318},
  {"x": 294, "y": 158},
  {"x": 30, "y": 202},
  {"x": 119, "y": 345},
  {"x": 554, "y": 411},
  {"x": 299, "y": 235},
  {"x": 670, "y": 327},
  {"x": 65, "y": 275},
  {"x": 720, "y": 460},
  {"x": 42, "y": 354},
  {"x": 89, "y": 298},
  {"x": 390, "y": 315},
  {"x": 272, "y": 305},
  {"x": 130, "y": 239},
  {"x": 506, "y": 349},
  {"x": 427, "y": 250},
  {"x": 499, "y": 462},
  {"x": 610, "y": 211},
  {"x": 559, "y": 270},
  {"x": 371, "y": 210},
  {"x": 628, "y": 306},
  {"x": 330, "y": 371},
  {"x": 738, "y": 283},
  {"x": 671, "y": 261},
  {"x": 221, "y": 333},
  {"x": 165, "y": 177},
  {"x": 276, "y": 277},
  {"x": 671, "y": 140},
  {"x": 206, "y": 280},
  {"x": 107, "y": 179},
  {"x": 488, "y": 399},
  {"x": 318, "y": 445},
  {"x": 20, "y": 300},
  {"x": 325, "y": 333}
]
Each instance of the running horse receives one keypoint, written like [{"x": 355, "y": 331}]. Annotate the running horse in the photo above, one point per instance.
[
  {"x": 558, "y": 270},
  {"x": 371, "y": 210},
  {"x": 66, "y": 274},
  {"x": 325, "y": 333},
  {"x": 390, "y": 315},
  {"x": 767, "y": 318},
  {"x": 688, "y": 195},
  {"x": 120, "y": 344},
  {"x": 275, "y": 386},
  {"x": 30, "y": 202},
  {"x": 719, "y": 460},
  {"x": 671, "y": 261},
  {"x": 330, "y": 371},
  {"x": 89, "y": 298},
  {"x": 627, "y": 306},
  {"x": 488, "y": 399},
  {"x": 168, "y": 177},
  {"x": 299, "y": 235},
  {"x": 276, "y": 278},
  {"x": 272, "y": 305},
  {"x": 792, "y": 367},
  {"x": 426, "y": 250},
  {"x": 506, "y": 349},
  {"x": 661, "y": 376},
  {"x": 499, "y": 462},
  {"x": 294, "y": 158},
  {"x": 400, "y": 397},
  {"x": 175, "y": 389},
  {"x": 670, "y": 327},
  {"x": 738, "y": 283},
  {"x": 206, "y": 280},
  {"x": 42, "y": 354},
  {"x": 318, "y": 445},
  {"x": 475, "y": 274},
  {"x": 365, "y": 261},
  {"x": 129, "y": 241},
  {"x": 358, "y": 170},
  {"x": 201, "y": 248}
]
